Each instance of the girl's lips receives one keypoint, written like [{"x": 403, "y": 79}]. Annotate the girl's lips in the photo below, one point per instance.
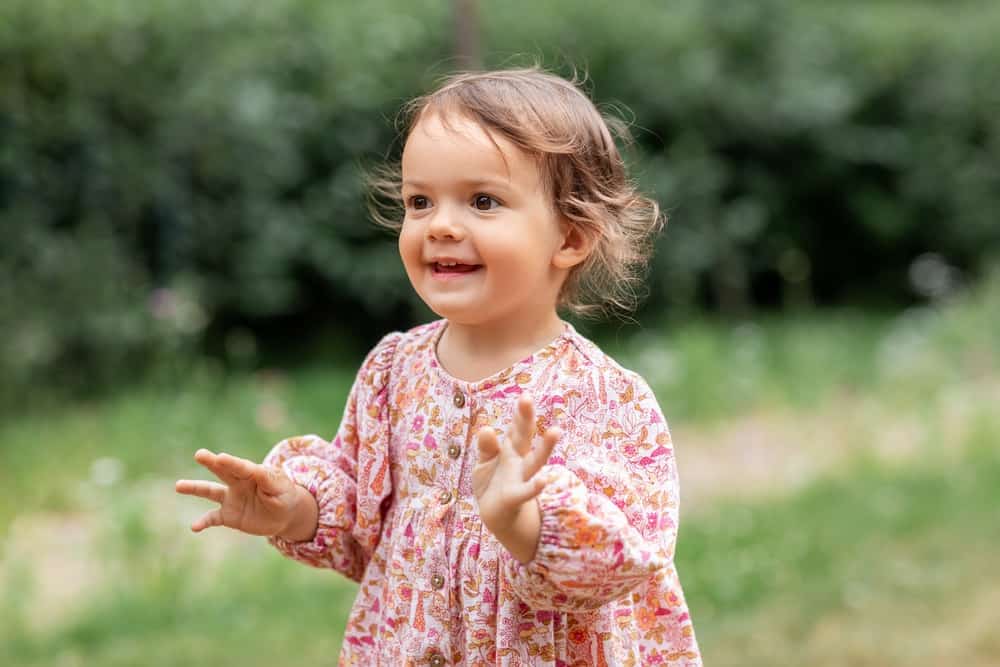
[{"x": 441, "y": 272}]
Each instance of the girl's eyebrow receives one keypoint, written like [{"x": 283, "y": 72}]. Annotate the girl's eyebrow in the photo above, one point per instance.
[{"x": 465, "y": 182}]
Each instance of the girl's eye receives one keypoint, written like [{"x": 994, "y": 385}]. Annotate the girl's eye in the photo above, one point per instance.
[
  {"x": 485, "y": 203},
  {"x": 419, "y": 202}
]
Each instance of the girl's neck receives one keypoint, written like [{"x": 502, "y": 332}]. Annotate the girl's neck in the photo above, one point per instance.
[{"x": 475, "y": 352}]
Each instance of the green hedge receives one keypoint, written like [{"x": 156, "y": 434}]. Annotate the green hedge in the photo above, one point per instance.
[{"x": 175, "y": 171}]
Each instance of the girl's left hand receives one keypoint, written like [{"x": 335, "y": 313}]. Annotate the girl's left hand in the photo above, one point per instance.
[{"x": 506, "y": 476}]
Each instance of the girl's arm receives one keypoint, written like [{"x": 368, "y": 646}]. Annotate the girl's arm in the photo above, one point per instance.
[
  {"x": 608, "y": 510},
  {"x": 348, "y": 476}
]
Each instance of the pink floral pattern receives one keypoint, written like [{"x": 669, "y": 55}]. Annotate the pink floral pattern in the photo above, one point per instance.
[{"x": 397, "y": 514}]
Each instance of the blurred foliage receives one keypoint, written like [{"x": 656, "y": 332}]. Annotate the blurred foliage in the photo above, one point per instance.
[
  {"x": 167, "y": 167},
  {"x": 175, "y": 174},
  {"x": 804, "y": 153}
]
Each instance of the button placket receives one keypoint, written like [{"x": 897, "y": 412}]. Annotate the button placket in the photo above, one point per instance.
[{"x": 454, "y": 449}]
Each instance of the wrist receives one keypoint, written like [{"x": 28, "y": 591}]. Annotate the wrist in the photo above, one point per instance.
[
  {"x": 303, "y": 518},
  {"x": 519, "y": 533}
]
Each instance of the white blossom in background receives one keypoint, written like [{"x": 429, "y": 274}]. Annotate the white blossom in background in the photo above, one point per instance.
[
  {"x": 933, "y": 277},
  {"x": 904, "y": 350},
  {"x": 178, "y": 309},
  {"x": 656, "y": 361},
  {"x": 106, "y": 471}
]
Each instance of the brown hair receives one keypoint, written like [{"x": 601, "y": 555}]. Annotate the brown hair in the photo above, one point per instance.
[{"x": 551, "y": 119}]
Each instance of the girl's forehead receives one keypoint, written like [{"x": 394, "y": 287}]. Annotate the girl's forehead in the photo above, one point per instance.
[
  {"x": 455, "y": 138},
  {"x": 452, "y": 125}
]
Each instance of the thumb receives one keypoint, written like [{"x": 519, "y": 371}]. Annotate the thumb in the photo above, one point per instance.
[{"x": 489, "y": 447}]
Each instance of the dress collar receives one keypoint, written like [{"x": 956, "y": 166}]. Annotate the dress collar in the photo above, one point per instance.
[{"x": 503, "y": 377}]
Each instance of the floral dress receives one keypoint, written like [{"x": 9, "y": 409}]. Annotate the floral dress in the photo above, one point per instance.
[{"x": 397, "y": 514}]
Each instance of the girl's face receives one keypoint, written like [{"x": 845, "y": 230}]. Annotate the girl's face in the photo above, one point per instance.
[{"x": 480, "y": 240}]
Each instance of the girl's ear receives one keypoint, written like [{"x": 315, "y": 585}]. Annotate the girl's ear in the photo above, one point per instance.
[{"x": 576, "y": 247}]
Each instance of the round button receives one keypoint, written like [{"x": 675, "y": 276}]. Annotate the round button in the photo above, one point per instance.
[
  {"x": 454, "y": 451},
  {"x": 437, "y": 660},
  {"x": 437, "y": 581},
  {"x": 445, "y": 497},
  {"x": 459, "y": 399}
]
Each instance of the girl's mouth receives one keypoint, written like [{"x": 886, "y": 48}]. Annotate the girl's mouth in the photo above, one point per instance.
[{"x": 453, "y": 269}]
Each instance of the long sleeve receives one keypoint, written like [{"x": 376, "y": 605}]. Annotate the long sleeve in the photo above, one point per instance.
[
  {"x": 348, "y": 476},
  {"x": 609, "y": 513}
]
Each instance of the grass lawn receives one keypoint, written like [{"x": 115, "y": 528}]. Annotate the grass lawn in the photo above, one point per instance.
[{"x": 872, "y": 566}]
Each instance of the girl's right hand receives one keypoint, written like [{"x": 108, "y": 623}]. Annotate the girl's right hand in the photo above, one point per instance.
[{"x": 252, "y": 498}]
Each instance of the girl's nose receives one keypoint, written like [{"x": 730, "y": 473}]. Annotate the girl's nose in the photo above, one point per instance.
[{"x": 445, "y": 224}]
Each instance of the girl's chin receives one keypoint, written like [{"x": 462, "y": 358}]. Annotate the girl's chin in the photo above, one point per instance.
[
  {"x": 459, "y": 310},
  {"x": 454, "y": 311}
]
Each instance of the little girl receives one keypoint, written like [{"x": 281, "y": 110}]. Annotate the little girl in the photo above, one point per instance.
[{"x": 504, "y": 492}]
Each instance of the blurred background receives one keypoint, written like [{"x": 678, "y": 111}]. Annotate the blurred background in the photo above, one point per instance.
[{"x": 186, "y": 261}]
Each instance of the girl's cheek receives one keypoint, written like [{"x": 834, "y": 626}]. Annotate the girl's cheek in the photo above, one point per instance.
[
  {"x": 409, "y": 251},
  {"x": 407, "y": 237}
]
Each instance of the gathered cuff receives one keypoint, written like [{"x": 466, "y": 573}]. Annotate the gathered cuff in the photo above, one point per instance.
[
  {"x": 588, "y": 554},
  {"x": 333, "y": 544}
]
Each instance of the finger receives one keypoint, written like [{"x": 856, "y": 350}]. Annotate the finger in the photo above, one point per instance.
[
  {"x": 529, "y": 490},
  {"x": 524, "y": 424},
  {"x": 230, "y": 469},
  {"x": 539, "y": 456},
  {"x": 204, "y": 457},
  {"x": 207, "y": 520},
  {"x": 237, "y": 467},
  {"x": 211, "y": 462},
  {"x": 489, "y": 446},
  {"x": 209, "y": 490}
]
